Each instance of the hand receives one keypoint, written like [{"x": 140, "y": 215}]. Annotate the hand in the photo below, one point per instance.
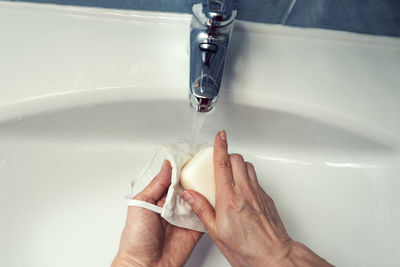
[
  {"x": 149, "y": 240},
  {"x": 245, "y": 224}
]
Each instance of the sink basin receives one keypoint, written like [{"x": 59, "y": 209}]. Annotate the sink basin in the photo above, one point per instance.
[{"x": 79, "y": 122}]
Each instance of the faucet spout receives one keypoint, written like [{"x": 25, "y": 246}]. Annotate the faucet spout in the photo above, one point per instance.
[{"x": 210, "y": 32}]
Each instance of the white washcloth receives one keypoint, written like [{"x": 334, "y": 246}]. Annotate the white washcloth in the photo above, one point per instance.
[{"x": 175, "y": 210}]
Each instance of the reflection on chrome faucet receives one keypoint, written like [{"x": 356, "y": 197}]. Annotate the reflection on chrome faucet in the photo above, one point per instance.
[{"x": 211, "y": 29}]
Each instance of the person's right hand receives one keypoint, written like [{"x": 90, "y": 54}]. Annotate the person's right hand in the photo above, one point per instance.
[{"x": 245, "y": 224}]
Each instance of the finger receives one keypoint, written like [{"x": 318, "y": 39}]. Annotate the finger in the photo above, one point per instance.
[
  {"x": 222, "y": 164},
  {"x": 161, "y": 202},
  {"x": 251, "y": 173},
  {"x": 239, "y": 170},
  {"x": 202, "y": 208},
  {"x": 158, "y": 186}
]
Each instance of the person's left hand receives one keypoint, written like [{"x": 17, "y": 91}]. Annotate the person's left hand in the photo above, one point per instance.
[{"x": 149, "y": 240}]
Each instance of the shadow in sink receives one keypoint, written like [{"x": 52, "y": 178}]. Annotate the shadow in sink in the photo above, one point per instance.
[
  {"x": 201, "y": 252},
  {"x": 165, "y": 121}
]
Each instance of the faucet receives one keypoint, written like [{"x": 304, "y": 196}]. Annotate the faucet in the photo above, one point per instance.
[{"x": 210, "y": 31}]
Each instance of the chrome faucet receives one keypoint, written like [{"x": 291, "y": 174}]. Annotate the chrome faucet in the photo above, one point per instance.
[{"x": 210, "y": 31}]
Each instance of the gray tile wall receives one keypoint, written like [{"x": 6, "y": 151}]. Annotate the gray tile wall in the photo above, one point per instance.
[{"x": 380, "y": 17}]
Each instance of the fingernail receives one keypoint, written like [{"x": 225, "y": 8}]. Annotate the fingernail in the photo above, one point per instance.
[
  {"x": 222, "y": 135},
  {"x": 188, "y": 197}
]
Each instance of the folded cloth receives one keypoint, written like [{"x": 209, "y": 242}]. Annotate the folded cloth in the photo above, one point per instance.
[{"x": 176, "y": 210}]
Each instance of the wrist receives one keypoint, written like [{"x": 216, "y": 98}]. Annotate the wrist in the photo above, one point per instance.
[
  {"x": 124, "y": 260},
  {"x": 272, "y": 256},
  {"x": 301, "y": 255}
]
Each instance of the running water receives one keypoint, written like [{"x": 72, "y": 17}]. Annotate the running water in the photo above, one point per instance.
[{"x": 197, "y": 124}]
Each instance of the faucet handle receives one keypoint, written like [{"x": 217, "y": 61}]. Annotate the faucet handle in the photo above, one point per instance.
[
  {"x": 215, "y": 12},
  {"x": 219, "y": 10}
]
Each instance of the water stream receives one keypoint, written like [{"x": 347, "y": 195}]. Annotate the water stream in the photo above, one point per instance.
[{"x": 197, "y": 124}]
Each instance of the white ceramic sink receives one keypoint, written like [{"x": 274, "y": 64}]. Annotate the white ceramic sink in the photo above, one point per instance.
[{"x": 87, "y": 94}]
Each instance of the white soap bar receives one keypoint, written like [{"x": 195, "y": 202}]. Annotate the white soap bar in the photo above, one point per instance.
[{"x": 198, "y": 174}]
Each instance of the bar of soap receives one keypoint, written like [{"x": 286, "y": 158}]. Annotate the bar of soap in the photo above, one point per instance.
[{"x": 198, "y": 174}]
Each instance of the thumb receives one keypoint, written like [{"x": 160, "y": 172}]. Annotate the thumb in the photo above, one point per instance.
[
  {"x": 201, "y": 207},
  {"x": 158, "y": 186}
]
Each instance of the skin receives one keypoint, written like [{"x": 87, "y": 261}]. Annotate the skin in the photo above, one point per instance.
[
  {"x": 245, "y": 224},
  {"x": 149, "y": 240}
]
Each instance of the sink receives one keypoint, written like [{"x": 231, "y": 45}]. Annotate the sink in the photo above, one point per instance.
[{"x": 79, "y": 122}]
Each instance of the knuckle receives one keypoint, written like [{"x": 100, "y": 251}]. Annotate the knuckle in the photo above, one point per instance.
[
  {"x": 267, "y": 198},
  {"x": 159, "y": 183},
  {"x": 224, "y": 163},
  {"x": 230, "y": 202},
  {"x": 258, "y": 206},
  {"x": 249, "y": 165},
  {"x": 162, "y": 184},
  {"x": 201, "y": 212},
  {"x": 237, "y": 157},
  {"x": 144, "y": 197},
  {"x": 222, "y": 144}
]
